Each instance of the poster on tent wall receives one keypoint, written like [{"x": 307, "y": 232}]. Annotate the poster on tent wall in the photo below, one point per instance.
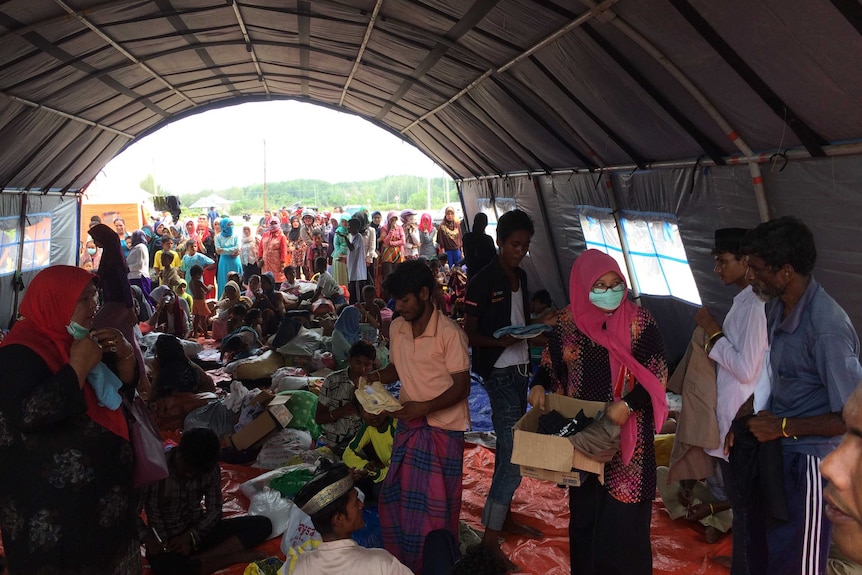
[
  {"x": 36, "y": 245},
  {"x": 50, "y": 238}
]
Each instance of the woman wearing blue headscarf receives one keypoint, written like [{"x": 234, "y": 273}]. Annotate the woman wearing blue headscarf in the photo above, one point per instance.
[{"x": 227, "y": 247}]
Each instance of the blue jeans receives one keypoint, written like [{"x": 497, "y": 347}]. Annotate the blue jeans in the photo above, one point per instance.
[{"x": 507, "y": 392}]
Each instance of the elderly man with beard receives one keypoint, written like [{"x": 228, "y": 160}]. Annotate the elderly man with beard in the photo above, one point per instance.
[{"x": 814, "y": 353}]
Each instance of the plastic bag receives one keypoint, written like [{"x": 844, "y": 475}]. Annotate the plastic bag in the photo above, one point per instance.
[
  {"x": 281, "y": 447},
  {"x": 257, "y": 484},
  {"x": 214, "y": 416},
  {"x": 300, "y": 531},
  {"x": 288, "y": 484},
  {"x": 269, "y": 503}
]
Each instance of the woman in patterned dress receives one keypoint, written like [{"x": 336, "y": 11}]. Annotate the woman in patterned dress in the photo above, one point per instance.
[
  {"x": 606, "y": 348},
  {"x": 66, "y": 499}
]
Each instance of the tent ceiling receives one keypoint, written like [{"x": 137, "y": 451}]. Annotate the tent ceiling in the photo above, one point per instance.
[{"x": 482, "y": 86}]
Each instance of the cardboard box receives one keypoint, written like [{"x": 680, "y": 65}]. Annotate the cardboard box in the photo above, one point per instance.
[
  {"x": 552, "y": 458},
  {"x": 276, "y": 416}
]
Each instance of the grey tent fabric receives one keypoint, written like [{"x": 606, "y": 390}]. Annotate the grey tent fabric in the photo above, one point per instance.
[
  {"x": 483, "y": 86},
  {"x": 525, "y": 99}
]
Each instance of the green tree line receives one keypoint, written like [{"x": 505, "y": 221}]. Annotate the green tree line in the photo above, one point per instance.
[{"x": 390, "y": 192}]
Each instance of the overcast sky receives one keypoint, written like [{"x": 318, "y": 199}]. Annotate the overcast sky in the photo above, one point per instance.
[{"x": 224, "y": 148}]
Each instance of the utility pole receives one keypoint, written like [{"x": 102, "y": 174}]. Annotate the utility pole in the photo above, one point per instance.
[{"x": 264, "y": 175}]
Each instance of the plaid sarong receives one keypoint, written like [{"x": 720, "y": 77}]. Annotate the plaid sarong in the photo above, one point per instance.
[{"x": 422, "y": 490}]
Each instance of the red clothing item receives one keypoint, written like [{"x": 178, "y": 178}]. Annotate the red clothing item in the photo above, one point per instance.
[
  {"x": 273, "y": 251},
  {"x": 47, "y": 308}
]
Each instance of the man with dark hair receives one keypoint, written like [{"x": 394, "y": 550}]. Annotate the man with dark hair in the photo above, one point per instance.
[
  {"x": 183, "y": 536},
  {"x": 332, "y": 503},
  {"x": 496, "y": 298},
  {"x": 478, "y": 246},
  {"x": 738, "y": 348},
  {"x": 428, "y": 351},
  {"x": 814, "y": 355}
]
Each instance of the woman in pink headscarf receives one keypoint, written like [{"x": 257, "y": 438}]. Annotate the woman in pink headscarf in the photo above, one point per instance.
[
  {"x": 606, "y": 348},
  {"x": 273, "y": 250},
  {"x": 392, "y": 235}
]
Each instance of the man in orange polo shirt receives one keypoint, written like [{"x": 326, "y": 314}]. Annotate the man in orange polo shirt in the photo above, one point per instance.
[{"x": 428, "y": 351}]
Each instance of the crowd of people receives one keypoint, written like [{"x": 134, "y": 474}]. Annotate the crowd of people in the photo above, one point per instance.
[{"x": 784, "y": 361}]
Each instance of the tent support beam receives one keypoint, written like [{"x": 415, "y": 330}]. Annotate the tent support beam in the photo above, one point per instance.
[
  {"x": 248, "y": 45},
  {"x": 851, "y": 149},
  {"x": 116, "y": 46},
  {"x": 67, "y": 115},
  {"x": 624, "y": 243},
  {"x": 361, "y": 52},
  {"x": 579, "y": 21}
]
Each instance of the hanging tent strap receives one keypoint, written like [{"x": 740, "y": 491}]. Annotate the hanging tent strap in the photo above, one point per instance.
[{"x": 17, "y": 279}]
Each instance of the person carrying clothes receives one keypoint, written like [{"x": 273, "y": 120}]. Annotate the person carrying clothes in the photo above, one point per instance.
[
  {"x": 814, "y": 359},
  {"x": 739, "y": 349},
  {"x": 428, "y": 354},
  {"x": 606, "y": 348},
  {"x": 67, "y": 464},
  {"x": 498, "y": 297}
]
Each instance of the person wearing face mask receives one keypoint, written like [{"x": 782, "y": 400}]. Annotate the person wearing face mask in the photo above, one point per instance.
[
  {"x": 66, "y": 476},
  {"x": 606, "y": 348}
]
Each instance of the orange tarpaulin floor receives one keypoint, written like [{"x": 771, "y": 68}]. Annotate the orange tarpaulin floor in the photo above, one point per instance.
[{"x": 679, "y": 548}]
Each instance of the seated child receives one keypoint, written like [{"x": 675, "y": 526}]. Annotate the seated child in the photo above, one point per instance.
[
  {"x": 370, "y": 313},
  {"x": 183, "y": 536},
  {"x": 327, "y": 286},
  {"x": 369, "y": 453},
  {"x": 335, "y": 409},
  {"x": 385, "y": 317},
  {"x": 289, "y": 284}
]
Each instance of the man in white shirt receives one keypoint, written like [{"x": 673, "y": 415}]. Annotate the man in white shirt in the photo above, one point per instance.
[
  {"x": 739, "y": 349},
  {"x": 336, "y": 512}
]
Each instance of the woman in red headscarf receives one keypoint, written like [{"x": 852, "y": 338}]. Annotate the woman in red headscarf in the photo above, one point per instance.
[
  {"x": 66, "y": 472},
  {"x": 606, "y": 348}
]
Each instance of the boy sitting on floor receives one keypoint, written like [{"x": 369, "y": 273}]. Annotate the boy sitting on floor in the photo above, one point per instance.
[
  {"x": 183, "y": 536},
  {"x": 331, "y": 501},
  {"x": 335, "y": 410}
]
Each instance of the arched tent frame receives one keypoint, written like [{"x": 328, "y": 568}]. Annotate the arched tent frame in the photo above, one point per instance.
[{"x": 671, "y": 105}]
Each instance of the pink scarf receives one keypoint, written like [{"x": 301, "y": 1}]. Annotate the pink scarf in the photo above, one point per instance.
[{"x": 613, "y": 332}]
